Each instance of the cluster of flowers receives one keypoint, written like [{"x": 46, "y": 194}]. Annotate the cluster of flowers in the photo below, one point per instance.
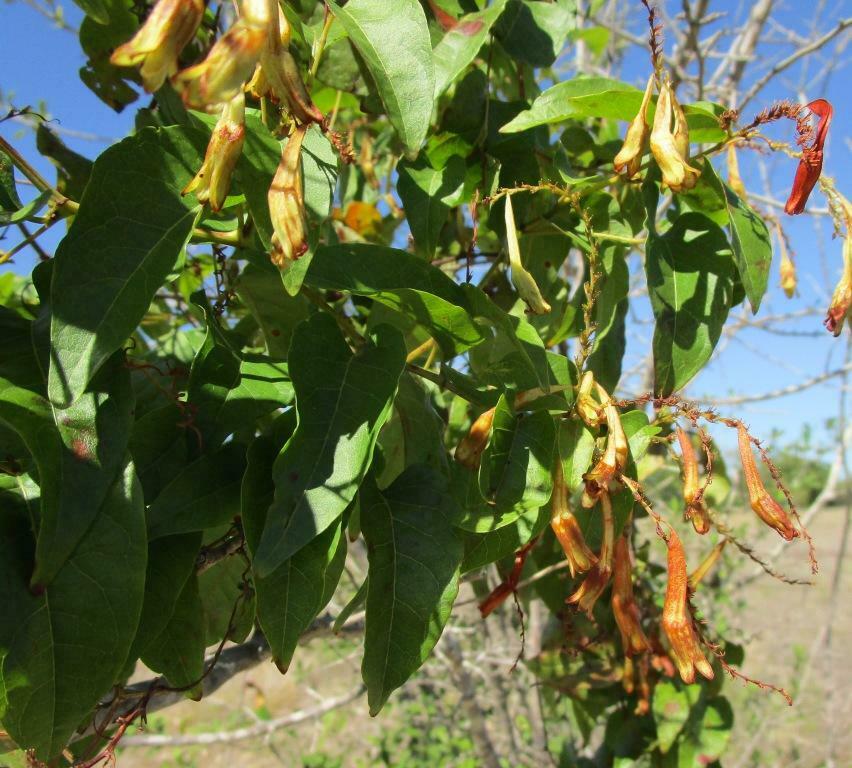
[
  {"x": 612, "y": 565},
  {"x": 254, "y": 56}
]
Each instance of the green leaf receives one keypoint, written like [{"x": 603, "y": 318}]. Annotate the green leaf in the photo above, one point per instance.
[
  {"x": 171, "y": 561},
  {"x": 414, "y": 558},
  {"x": 535, "y": 32},
  {"x": 459, "y": 46},
  {"x": 73, "y": 170},
  {"x": 342, "y": 401},
  {"x": 706, "y": 735},
  {"x": 515, "y": 473},
  {"x": 750, "y": 239},
  {"x": 62, "y": 649},
  {"x": 427, "y": 195},
  {"x": 610, "y": 314},
  {"x": 103, "y": 284},
  {"x": 576, "y": 448},
  {"x": 671, "y": 706},
  {"x": 690, "y": 282},
  {"x": 9, "y": 200},
  {"x": 178, "y": 651},
  {"x": 404, "y": 282},
  {"x": 97, "y": 9},
  {"x": 25, "y": 211},
  {"x": 481, "y": 549},
  {"x": 579, "y": 98},
  {"x": 158, "y": 447},
  {"x": 228, "y": 604},
  {"x": 78, "y": 452},
  {"x": 205, "y": 494},
  {"x": 393, "y": 39},
  {"x": 290, "y": 597}
]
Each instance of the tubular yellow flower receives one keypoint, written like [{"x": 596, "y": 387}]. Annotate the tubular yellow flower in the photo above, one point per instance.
[
  {"x": 286, "y": 203},
  {"x": 213, "y": 179},
  {"x": 695, "y": 509},
  {"x": 764, "y": 506},
  {"x": 624, "y": 606},
  {"x": 677, "y": 621},
  {"x": 588, "y": 409},
  {"x": 158, "y": 43},
  {"x": 735, "y": 181},
  {"x": 565, "y": 526},
  {"x": 678, "y": 175},
  {"x": 841, "y": 301},
  {"x": 681, "y": 131},
  {"x": 629, "y": 157},
  {"x": 522, "y": 280},
  {"x": 231, "y": 61},
  {"x": 788, "y": 275},
  {"x": 470, "y": 447}
]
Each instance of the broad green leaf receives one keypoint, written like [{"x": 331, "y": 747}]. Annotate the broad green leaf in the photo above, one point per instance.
[
  {"x": 536, "y": 32},
  {"x": 427, "y": 195},
  {"x": 480, "y": 549},
  {"x": 414, "y": 558},
  {"x": 576, "y": 448},
  {"x": 25, "y": 211},
  {"x": 205, "y": 494},
  {"x": 515, "y": 473},
  {"x": 103, "y": 284},
  {"x": 61, "y": 649},
  {"x": 393, "y": 38},
  {"x": 9, "y": 200},
  {"x": 290, "y": 597},
  {"x": 171, "y": 560},
  {"x": 78, "y": 452},
  {"x": 72, "y": 169},
  {"x": 99, "y": 39},
  {"x": 706, "y": 735},
  {"x": 178, "y": 651},
  {"x": 97, "y": 9},
  {"x": 228, "y": 604},
  {"x": 690, "y": 282},
  {"x": 404, "y": 282},
  {"x": 276, "y": 312},
  {"x": 750, "y": 239},
  {"x": 158, "y": 447},
  {"x": 671, "y": 706},
  {"x": 459, "y": 46},
  {"x": 342, "y": 399},
  {"x": 577, "y": 99},
  {"x": 610, "y": 313}
]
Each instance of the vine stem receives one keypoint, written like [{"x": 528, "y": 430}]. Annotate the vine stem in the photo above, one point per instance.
[{"x": 60, "y": 201}]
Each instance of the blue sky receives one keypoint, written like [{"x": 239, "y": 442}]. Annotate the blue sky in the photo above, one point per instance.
[{"x": 40, "y": 64}]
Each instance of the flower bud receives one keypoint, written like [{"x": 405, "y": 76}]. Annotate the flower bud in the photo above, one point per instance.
[
  {"x": 522, "y": 280},
  {"x": 735, "y": 181},
  {"x": 565, "y": 526},
  {"x": 287, "y": 205},
  {"x": 230, "y": 62},
  {"x": 629, "y": 157},
  {"x": 588, "y": 409},
  {"x": 685, "y": 650},
  {"x": 695, "y": 509},
  {"x": 678, "y": 175},
  {"x": 614, "y": 459},
  {"x": 213, "y": 179},
  {"x": 788, "y": 275},
  {"x": 470, "y": 447},
  {"x": 841, "y": 301},
  {"x": 624, "y": 606},
  {"x": 158, "y": 43},
  {"x": 764, "y": 506}
]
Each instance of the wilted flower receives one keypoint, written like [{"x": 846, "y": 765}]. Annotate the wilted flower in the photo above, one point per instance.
[
  {"x": 158, "y": 43},
  {"x": 470, "y": 447},
  {"x": 565, "y": 526},
  {"x": 624, "y": 606},
  {"x": 677, "y": 618},
  {"x": 508, "y": 586},
  {"x": 286, "y": 203},
  {"x": 678, "y": 175},
  {"x": 766, "y": 508},
  {"x": 230, "y": 62},
  {"x": 810, "y": 165},
  {"x": 695, "y": 509},
  {"x": 213, "y": 180},
  {"x": 735, "y": 181},
  {"x": 841, "y": 301},
  {"x": 588, "y": 409},
  {"x": 522, "y": 280},
  {"x": 614, "y": 459},
  {"x": 629, "y": 157},
  {"x": 595, "y": 582}
]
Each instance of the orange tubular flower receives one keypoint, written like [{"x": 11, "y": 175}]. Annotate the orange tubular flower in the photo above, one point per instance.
[
  {"x": 230, "y": 62},
  {"x": 565, "y": 526},
  {"x": 287, "y": 204},
  {"x": 677, "y": 618},
  {"x": 470, "y": 447},
  {"x": 614, "y": 459},
  {"x": 764, "y": 506},
  {"x": 695, "y": 509},
  {"x": 841, "y": 301},
  {"x": 213, "y": 180},
  {"x": 158, "y": 43},
  {"x": 629, "y": 157},
  {"x": 678, "y": 175},
  {"x": 594, "y": 584},
  {"x": 624, "y": 606},
  {"x": 810, "y": 166}
]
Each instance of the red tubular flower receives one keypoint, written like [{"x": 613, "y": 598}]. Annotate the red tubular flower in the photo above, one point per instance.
[
  {"x": 677, "y": 618},
  {"x": 499, "y": 594},
  {"x": 624, "y": 606},
  {"x": 764, "y": 506},
  {"x": 810, "y": 166},
  {"x": 566, "y": 528}
]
